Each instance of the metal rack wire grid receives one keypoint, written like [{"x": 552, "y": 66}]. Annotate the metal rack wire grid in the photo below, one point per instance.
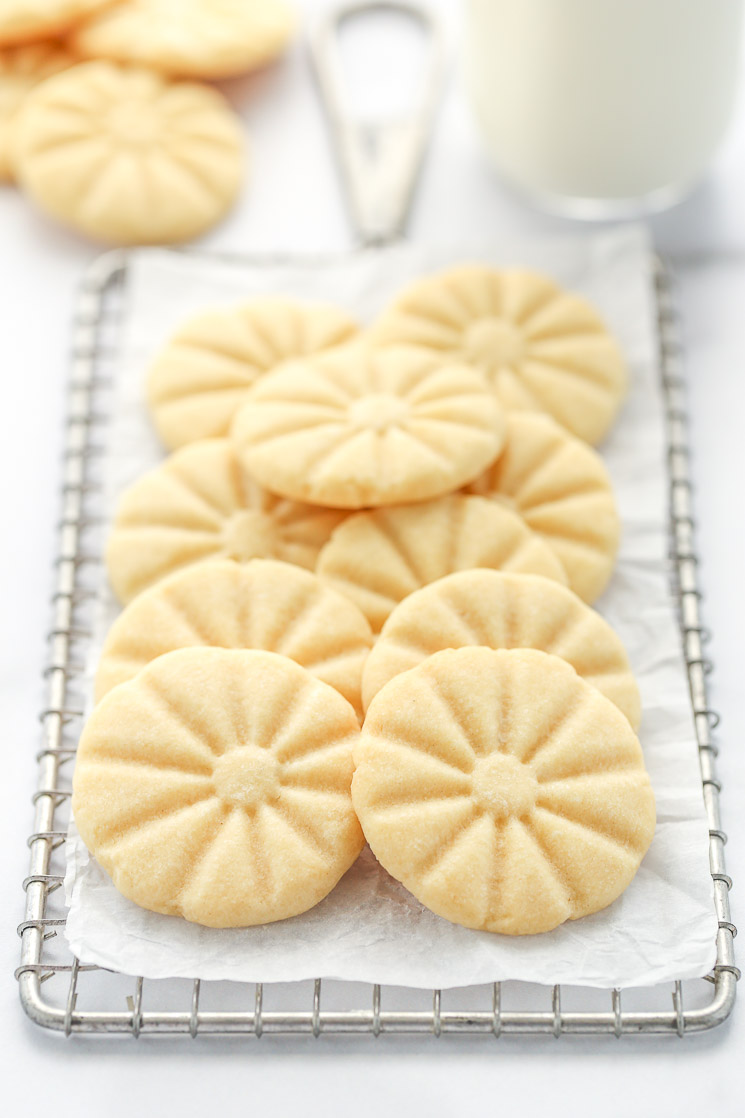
[{"x": 51, "y": 980}]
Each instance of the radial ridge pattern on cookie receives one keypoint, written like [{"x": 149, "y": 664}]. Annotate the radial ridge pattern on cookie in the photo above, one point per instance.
[
  {"x": 501, "y": 609},
  {"x": 561, "y": 489},
  {"x": 200, "y": 504},
  {"x": 126, "y": 156},
  {"x": 201, "y": 376},
  {"x": 379, "y": 557},
  {"x": 505, "y": 792},
  {"x": 263, "y": 604},
  {"x": 543, "y": 349},
  {"x": 216, "y": 786},
  {"x": 358, "y": 427}
]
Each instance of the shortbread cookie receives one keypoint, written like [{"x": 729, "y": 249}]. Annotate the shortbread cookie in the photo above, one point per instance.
[
  {"x": 22, "y": 68},
  {"x": 199, "y": 504},
  {"x": 190, "y": 38},
  {"x": 265, "y": 605},
  {"x": 128, "y": 157},
  {"x": 22, "y": 21},
  {"x": 542, "y": 348},
  {"x": 377, "y": 558},
  {"x": 200, "y": 378},
  {"x": 503, "y": 790},
  {"x": 359, "y": 427},
  {"x": 561, "y": 488},
  {"x": 215, "y": 786},
  {"x": 496, "y": 609}
]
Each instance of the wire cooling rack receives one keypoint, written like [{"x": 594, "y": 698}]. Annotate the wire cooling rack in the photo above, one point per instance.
[{"x": 62, "y": 993}]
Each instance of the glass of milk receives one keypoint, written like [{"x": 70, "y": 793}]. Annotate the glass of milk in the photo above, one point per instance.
[{"x": 602, "y": 108}]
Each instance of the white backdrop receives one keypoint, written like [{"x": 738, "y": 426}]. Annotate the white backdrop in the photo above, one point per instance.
[{"x": 294, "y": 204}]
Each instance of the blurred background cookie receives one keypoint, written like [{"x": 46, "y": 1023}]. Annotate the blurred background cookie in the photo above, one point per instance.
[
  {"x": 128, "y": 157},
  {"x": 23, "y": 21},
  {"x": 190, "y": 38},
  {"x": 22, "y": 68}
]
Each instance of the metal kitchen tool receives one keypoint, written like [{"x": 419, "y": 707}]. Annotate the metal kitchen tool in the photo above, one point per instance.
[{"x": 379, "y": 160}]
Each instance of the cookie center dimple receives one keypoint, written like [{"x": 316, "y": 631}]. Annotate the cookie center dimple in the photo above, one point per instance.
[
  {"x": 379, "y": 412},
  {"x": 503, "y": 786},
  {"x": 250, "y": 535},
  {"x": 133, "y": 124},
  {"x": 246, "y": 777},
  {"x": 492, "y": 343}
]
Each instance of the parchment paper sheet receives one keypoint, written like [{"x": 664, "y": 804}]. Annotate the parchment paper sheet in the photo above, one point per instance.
[{"x": 370, "y": 929}]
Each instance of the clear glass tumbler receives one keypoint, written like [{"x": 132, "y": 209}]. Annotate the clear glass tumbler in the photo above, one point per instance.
[{"x": 602, "y": 108}]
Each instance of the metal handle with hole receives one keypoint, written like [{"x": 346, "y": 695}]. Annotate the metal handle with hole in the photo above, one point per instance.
[{"x": 379, "y": 160}]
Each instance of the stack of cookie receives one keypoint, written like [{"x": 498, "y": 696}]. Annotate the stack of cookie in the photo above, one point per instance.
[
  {"x": 98, "y": 125},
  {"x": 399, "y": 527}
]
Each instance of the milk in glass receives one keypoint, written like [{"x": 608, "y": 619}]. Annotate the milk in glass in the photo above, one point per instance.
[{"x": 602, "y": 105}]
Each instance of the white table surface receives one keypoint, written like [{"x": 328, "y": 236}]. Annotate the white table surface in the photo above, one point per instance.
[{"x": 294, "y": 204}]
